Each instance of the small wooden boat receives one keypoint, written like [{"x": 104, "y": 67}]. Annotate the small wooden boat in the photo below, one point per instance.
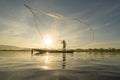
[{"x": 54, "y": 51}]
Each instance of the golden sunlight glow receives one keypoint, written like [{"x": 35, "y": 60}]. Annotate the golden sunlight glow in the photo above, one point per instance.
[
  {"x": 45, "y": 67},
  {"x": 46, "y": 59},
  {"x": 48, "y": 41}
]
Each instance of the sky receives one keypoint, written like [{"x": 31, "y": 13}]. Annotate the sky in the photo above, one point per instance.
[{"x": 54, "y": 21}]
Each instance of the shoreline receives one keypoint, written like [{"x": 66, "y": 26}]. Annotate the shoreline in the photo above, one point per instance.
[{"x": 81, "y": 50}]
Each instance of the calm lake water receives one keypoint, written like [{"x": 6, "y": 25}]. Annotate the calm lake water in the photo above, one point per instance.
[{"x": 49, "y": 66}]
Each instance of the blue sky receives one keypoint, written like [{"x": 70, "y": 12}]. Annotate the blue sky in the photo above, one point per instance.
[{"x": 17, "y": 26}]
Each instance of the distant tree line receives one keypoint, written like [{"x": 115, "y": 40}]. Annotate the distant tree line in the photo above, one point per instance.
[
  {"x": 98, "y": 50},
  {"x": 15, "y": 50}
]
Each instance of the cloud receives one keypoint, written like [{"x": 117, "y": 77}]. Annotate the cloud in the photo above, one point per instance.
[
  {"x": 14, "y": 27},
  {"x": 18, "y": 33},
  {"x": 105, "y": 44}
]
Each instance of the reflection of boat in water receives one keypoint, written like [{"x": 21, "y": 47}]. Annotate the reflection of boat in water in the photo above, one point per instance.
[{"x": 53, "y": 51}]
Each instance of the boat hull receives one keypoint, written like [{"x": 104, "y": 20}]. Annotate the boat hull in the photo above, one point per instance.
[{"x": 54, "y": 51}]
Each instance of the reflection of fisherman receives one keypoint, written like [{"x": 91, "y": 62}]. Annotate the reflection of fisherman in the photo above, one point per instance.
[
  {"x": 64, "y": 44},
  {"x": 64, "y": 54}
]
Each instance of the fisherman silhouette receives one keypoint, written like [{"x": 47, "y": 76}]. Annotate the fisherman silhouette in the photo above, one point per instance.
[
  {"x": 64, "y": 44},
  {"x": 31, "y": 51}
]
